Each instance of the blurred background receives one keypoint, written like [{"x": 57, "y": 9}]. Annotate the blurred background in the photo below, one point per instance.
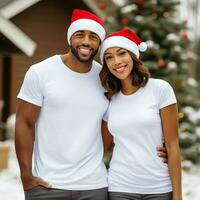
[{"x": 32, "y": 30}]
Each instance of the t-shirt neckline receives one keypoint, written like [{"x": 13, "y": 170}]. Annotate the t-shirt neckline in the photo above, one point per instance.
[
  {"x": 132, "y": 94},
  {"x": 74, "y": 72}
]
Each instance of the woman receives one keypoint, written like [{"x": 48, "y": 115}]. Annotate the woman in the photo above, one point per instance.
[{"x": 142, "y": 110}]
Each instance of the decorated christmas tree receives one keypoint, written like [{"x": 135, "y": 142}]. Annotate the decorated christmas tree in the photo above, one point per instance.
[{"x": 169, "y": 57}]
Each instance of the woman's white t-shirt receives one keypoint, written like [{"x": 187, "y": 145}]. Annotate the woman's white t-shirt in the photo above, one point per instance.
[{"x": 135, "y": 123}]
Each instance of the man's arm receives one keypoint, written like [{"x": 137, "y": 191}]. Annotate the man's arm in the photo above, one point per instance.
[
  {"x": 162, "y": 152},
  {"x": 107, "y": 138},
  {"x": 26, "y": 117},
  {"x": 108, "y": 143}
]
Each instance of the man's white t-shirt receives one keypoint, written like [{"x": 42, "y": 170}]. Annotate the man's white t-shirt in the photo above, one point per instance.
[
  {"x": 135, "y": 123},
  {"x": 68, "y": 148}
]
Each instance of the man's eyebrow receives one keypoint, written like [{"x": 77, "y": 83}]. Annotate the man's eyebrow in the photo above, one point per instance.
[
  {"x": 82, "y": 31},
  {"x": 94, "y": 33},
  {"x": 79, "y": 32}
]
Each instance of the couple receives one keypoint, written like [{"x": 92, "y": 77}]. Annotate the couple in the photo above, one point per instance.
[{"x": 60, "y": 109}]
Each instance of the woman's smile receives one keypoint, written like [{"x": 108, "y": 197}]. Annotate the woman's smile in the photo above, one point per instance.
[{"x": 120, "y": 68}]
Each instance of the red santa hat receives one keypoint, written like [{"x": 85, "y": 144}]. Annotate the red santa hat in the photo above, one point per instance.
[
  {"x": 84, "y": 20},
  {"x": 126, "y": 39}
]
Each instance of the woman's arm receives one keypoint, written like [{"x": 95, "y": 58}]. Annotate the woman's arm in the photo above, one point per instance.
[{"x": 170, "y": 129}]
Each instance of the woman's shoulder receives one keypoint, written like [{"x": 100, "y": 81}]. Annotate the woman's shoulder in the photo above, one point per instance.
[{"x": 157, "y": 83}]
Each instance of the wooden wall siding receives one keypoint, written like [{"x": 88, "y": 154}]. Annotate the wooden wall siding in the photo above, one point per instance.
[
  {"x": 1, "y": 78},
  {"x": 46, "y": 23}
]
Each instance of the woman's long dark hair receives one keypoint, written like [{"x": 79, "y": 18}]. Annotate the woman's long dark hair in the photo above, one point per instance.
[{"x": 112, "y": 84}]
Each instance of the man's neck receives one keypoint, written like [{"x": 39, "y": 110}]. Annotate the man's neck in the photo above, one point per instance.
[{"x": 74, "y": 64}]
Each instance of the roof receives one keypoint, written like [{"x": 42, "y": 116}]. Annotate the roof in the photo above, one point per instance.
[
  {"x": 5, "y": 2},
  {"x": 8, "y": 9},
  {"x": 17, "y": 36}
]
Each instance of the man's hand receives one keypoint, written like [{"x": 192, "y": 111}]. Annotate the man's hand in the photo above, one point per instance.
[
  {"x": 162, "y": 153},
  {"x": 32, "y": 181}
]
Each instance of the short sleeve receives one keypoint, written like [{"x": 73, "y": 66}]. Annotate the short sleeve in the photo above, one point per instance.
[
  {"x": 105, "y": 116},
  {"x": 166, "y": 95},
  {"x": 31, "y": 89}
]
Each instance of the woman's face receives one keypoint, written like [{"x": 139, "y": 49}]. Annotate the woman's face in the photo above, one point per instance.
[{"x": 119, "y": 62}]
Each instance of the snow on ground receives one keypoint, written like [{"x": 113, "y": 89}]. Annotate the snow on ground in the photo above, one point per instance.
[
  {"x": 191, "y": 183},
  {"x": 10, "y": 184},
  {"x": 11, "y": 188}
]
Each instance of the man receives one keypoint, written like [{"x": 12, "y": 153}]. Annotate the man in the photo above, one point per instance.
[
  {"x": 60, "y": 109},
  {"x": 63, "y": 97}
]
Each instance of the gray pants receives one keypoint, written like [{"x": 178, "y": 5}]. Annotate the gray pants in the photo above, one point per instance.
[
  {"x": 132, "y": 196},
  {"x": 40, "y": 193}
]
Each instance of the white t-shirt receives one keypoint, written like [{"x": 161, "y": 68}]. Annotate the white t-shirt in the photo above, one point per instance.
[
  {"x": 135, "y": 124},
  {"x": 68, "y": 148}
]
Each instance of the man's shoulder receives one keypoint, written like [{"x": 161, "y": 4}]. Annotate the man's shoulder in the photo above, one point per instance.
[
  {"x": 46, "y": 63},
  {"x": 97, "y": 65}
]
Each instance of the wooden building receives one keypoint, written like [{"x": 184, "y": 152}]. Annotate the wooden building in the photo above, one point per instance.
[{"x": 30, "y": 31}]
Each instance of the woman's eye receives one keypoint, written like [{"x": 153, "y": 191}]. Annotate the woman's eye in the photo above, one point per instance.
[
  {"x": 122, "y": 53},
  {"x": 108, "y": 57}
]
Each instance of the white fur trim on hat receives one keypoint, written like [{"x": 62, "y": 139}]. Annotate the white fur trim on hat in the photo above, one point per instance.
[
  {"x": 118, "y": 41},
  {"x": 88, "y": 25}
]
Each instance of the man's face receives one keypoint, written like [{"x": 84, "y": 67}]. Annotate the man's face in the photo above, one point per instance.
[{"x": 84, "y": 45}]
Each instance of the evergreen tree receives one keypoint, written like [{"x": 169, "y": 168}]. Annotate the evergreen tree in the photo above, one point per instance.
[{"x": 168, "y": 57}]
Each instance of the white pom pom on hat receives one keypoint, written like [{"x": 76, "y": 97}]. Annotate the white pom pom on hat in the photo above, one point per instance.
[
  {"x": 124, "y": 38},
  {"x": 142, "y": 46}
]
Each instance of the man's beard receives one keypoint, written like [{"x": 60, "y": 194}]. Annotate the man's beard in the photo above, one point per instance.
[{"x": 75, "y": 53}]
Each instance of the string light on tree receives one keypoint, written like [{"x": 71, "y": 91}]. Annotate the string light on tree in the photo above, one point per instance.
[
  {"x": 128, "y": 8},
  {"x": 154, "y": 2},
  {"x": 124, "y": 21},
  {"x": 166, "y": 14},
  {"x": 139, "y": 18},
  {"x": 173, "y": 37},
  {"x": 177, "y": 49},
  {"x": 150, "y": 43},
  {"x": 102, "y": 5},
  {"x": 161, "y": 63},
  {"x": 184, "y": 35},
  {"x": 181, "y": 115},
  {"x": 192, "y": 82},
  {"x": 172, "y": 65},
  {"x": 140, "y": 3}
]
